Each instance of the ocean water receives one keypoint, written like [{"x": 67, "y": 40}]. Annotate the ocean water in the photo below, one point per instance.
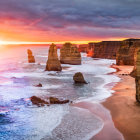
[{"x": 20, "y": 120}]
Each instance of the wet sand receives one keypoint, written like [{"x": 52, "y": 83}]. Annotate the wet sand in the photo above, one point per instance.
[
  {"x": 123, "y": 107},
  {"x": 109, "y": 132},
  {"x": 120, "y": 112}
]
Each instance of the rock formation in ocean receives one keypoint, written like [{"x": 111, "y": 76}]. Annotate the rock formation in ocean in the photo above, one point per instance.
[
  {"x": 51, "y": 100},
  {"x": 69, "y": 54},
  {"x": 31, "y": 58},
  {"x": 53, "y": 63},
  {"x": 54, "y": 100},
  {"x": 38, "y": 101},
  {"x": 126, "y": 52},
  {"x": 79, "y": 78},
  {"x": 39, "y": 85},
  {"x": 105, "y": 49}
]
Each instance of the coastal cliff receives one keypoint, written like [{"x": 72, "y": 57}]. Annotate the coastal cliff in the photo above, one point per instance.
[
  {"x": 137, "y": 78},
  {"x": 83, "y": 48},
  {"x": 69, "y": 54},
  {"x": 53, "y": 63},
  {"x": 126, "y": 52},
  {"x": 106, "y": 49}
]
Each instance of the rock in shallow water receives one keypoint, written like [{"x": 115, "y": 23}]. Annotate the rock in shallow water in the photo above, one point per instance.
[
  {"x": 52, "y": 100},
  {"x": 39, "y": 85},
  {"x": 31, "y": 58},
  {"x": 79, "y": 78},
  {"x": 38, "y": 101}
]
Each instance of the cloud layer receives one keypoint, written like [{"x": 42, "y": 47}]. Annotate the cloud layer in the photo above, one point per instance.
[{"x": 61, "y": 20}]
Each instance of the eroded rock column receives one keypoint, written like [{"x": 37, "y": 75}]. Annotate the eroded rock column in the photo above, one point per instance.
[
  {"x": 31, "y": 58},
  {"x": 69, "y": 54},
  {"x": 53, "y": 63}
]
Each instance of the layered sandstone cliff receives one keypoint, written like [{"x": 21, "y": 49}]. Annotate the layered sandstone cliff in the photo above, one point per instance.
[
  {"x": 83, "y": 48},
  {"x": 106, "y": 49},
  {"x": 137, "y": 76},
  {"x": 126, "y": 52},
  {"x": 53, "y": 63},
  {"x": 69, "y": 54},
  {"x": 31, "y": 58}
]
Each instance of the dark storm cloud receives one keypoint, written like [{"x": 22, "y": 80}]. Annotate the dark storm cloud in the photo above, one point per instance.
[{"x": 51, "y": 14}]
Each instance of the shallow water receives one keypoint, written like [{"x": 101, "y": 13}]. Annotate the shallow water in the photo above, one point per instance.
[{"x": 19, "y": 119}]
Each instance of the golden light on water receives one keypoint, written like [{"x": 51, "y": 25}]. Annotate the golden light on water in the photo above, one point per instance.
[{"x": 1, "y": 42}]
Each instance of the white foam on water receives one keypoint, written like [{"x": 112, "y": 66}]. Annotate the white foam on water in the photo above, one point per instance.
[
  {"x": 52, "y": 86},
  {"x": 78, "y": 124},
  {"x": 47, "y": 86},
  {"x": 39, "y": 74},
  {"x": 91, "y": 66},
  {"x": 6, "y": 83},
  {"x": 35, "y": 123},
  {"x": 53, "y": 115},
  {"x": 41, "y": 56}
]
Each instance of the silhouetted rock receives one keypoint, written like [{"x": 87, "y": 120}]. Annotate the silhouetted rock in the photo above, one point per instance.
[
  {"x": 79, "y": 78},
  {"x": 38, "y": 101},
  {"x": 31, "y": 58},
  {"x": 54, "y": 100},
  {"x": 53, "y": 63},
  {"x": 69, "y": 54},
  {"x": 39, "y": 85}
]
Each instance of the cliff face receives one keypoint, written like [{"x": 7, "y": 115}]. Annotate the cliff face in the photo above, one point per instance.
[
  {"x": 83, "y": 48},
  {"x": 137, "y": 48},
  {"x": 53, "y": 64},
  {"x": 106, "y": 49},
  {"x": 31, "y": 58},
  {"x": 137, "y": 76},
  {"x": 126, "y": 52},
  {"x": 69, "y": 54}
]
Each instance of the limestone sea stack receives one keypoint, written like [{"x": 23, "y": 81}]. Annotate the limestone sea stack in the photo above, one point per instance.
[
  {"x": 53, "y": 63},
  {"x": 31, "y": 58},
  {"x": 69, "y": 54},
  {"x": 79, "y": 78}
]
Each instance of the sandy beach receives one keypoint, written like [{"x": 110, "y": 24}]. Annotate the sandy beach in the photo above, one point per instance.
[
  {"x": 123, "y": 107},
  {"x": 120, "y": 112}
]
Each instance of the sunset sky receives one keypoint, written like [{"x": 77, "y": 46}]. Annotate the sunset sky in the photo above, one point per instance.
[{"x": 68, "y": 20}]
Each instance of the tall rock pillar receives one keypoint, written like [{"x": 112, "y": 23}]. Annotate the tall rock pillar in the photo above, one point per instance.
[
  {"x": 31, "y": 58},
  {"x": 53, "y": 63}
]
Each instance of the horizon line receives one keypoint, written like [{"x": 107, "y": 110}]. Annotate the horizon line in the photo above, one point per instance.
[{"x": 55, "y": 42}]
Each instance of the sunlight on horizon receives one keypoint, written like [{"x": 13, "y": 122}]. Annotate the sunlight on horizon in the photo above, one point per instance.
[{"x": 56, "y": 42}]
